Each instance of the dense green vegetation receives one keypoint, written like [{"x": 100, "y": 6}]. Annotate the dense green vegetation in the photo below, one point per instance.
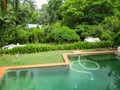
[
  {"x": 63, "y": 21},
  {"x": 35, "y": 48}
]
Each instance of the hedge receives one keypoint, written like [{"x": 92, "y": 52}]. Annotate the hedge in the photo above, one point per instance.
[{"x": 42, "y": 48}]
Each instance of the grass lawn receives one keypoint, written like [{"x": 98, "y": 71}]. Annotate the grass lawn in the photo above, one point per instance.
[{"x": 35, "y": 58}]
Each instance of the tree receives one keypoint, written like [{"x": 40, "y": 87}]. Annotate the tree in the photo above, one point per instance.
[
  {"x": 14, "y": 15},
  {"x": 112, "y": 23},
  {"x": 4, "y": 6},
  {"x": 91, "y": 12},
  {"x": 43, "y": 17},
  {"x": 26, "y": 11},
  {"x": 96, "y": 11},
  {"x": 22, "y": 11},
  {"x": 72, "y": 12},
  {"x": 54, "y": 10}
]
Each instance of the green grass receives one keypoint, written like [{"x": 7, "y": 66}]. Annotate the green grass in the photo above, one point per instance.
[{"x": 36, "y": 58}]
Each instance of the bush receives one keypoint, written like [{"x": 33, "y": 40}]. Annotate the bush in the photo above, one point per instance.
[
  {"x": 107, "y": 35},
  {"x": 104, "y": 44},
  {"x": 112, "y": 23},
  {"x": 117, "y": 38},
  {"x": 63, "y": 34},
  {"x": 22, "y": 36},
  {"x": 83, "y": 31},
  {"x": 35, "y": 48},
  {"x": 36, "y": 35}
]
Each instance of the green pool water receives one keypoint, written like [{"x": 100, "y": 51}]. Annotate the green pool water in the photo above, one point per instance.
[{"x": 98, "y": 72}]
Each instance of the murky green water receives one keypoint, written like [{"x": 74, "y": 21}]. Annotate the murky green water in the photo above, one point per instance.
[{"x": 102, "y": 73}]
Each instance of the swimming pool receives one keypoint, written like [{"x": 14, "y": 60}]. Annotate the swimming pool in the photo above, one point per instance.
[{"x": 85, "y": 72}]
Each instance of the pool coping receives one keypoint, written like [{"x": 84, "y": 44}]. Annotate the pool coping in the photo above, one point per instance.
[{"x": 66, "y": 62}]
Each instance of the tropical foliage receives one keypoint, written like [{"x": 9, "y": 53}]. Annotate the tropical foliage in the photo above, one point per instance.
[
  {"x": 62, "y": 21},
  {"x": 35, "y": 48}
]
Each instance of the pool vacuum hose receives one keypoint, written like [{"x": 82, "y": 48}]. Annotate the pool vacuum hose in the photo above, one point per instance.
[{"x": 87, "y": 68}]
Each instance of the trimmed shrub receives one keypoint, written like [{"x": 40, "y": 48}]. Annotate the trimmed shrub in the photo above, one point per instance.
[
  {"x": 35, "y": 48},
  {"x": 104, "y": 44}
]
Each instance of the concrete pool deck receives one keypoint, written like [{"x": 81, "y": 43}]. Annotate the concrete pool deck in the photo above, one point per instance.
[{"x": 3, "y": 69}]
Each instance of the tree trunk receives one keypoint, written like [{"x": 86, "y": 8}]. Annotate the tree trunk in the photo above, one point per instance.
[{"x": 4, "y": 6}]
